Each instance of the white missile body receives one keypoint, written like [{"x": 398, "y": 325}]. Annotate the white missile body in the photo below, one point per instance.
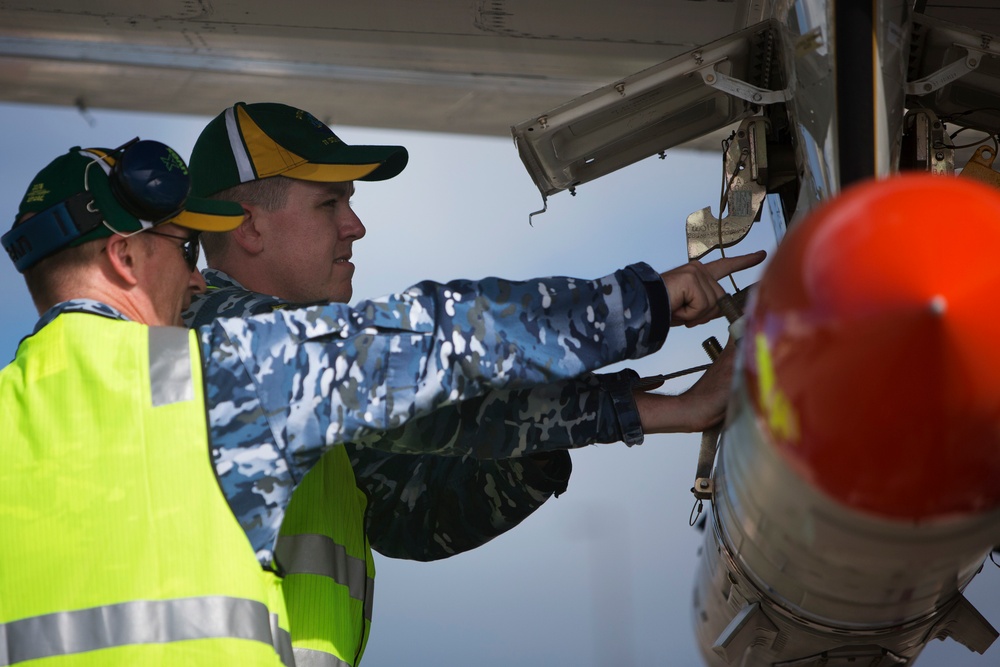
[
  {"x": 788, "y": 576},
  {"x": 857, "y": 485}
]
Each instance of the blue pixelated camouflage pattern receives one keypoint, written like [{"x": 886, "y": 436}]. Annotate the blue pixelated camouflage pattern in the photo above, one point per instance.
[
  {"x": 433, "y": 506},
  {"x": 77, "y": 306},
  {"x": 295, "y": 382},
  {"x": 427, "y": 506}
]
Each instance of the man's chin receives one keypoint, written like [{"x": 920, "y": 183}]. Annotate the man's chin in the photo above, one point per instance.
[{"x": 342, "y": 296}]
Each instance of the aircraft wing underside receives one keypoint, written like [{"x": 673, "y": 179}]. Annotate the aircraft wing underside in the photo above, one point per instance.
[
  {"x": 463, "y": 66},
  {"x": 450, "y": 66}
]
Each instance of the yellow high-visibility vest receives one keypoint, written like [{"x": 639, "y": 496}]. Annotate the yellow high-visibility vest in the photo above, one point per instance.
[
  {"x": 117, "y": 546},
  {"x": 329, "y": 573}
]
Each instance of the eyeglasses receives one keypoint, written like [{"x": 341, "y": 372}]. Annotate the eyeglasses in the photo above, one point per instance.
[{"x": 189, "y": 247}]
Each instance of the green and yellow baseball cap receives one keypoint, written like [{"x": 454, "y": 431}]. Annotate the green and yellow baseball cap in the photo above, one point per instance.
[
  {"x": 91, "y": 193},
  {"x": 247, "y": 142}
]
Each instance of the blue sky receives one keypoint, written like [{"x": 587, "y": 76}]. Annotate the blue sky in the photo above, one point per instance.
[{"x": 603, "y": 574}]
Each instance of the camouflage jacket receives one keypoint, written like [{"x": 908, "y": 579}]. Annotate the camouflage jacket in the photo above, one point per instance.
[
  {"x": 283, "y": 387},
  {"x": 429, "y": 506}
]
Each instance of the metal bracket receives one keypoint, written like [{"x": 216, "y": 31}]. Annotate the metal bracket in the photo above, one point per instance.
[
  {"x": 732, "y": 308},
  {"x": 980, "y": 167},
  {"x": 925, "y": 145},
  {"x": 704, "y": 485},
  {"x": 750, "y": 627},
  {"x": 746, "y": 171},
  {"x": 948, "y": 73},
  {"x": 967, "y": 626},
  {"x": 741, "y": 89}
]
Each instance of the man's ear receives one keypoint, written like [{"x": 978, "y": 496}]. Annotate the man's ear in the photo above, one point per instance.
[
  {"x": 249, "y": 234},
  {"x": 122, "y": 253}
]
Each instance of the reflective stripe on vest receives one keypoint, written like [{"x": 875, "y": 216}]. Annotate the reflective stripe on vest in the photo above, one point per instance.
[
  {"x": 169, "y": 366},
  {"x": 141, "y": 622},
  {"x": 319, "y": 554},
  {"x": 327, "y": 563},
  {"x": 305, "y": 657}
]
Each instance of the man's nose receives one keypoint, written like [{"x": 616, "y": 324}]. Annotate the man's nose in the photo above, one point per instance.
[
  {"x": 197, "y": 281},
  {"x": 353, "y": 228}
]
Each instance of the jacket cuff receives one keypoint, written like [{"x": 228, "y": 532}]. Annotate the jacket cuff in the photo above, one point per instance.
[
  {"x": 658, "y": 301},
  {"x": 619, "y": 386},
  {"x": 549, "y": 472}
]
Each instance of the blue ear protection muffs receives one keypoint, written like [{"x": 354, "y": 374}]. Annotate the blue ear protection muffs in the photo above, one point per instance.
[{"x": 149, "y": 181}]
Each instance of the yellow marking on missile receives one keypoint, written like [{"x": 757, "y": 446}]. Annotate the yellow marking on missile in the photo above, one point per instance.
[{"x": 781, "y": 418}]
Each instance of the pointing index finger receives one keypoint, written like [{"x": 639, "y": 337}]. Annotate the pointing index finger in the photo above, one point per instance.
[{"x": 722, "y": 267}]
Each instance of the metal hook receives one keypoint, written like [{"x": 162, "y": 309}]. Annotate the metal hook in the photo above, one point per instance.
[
  {"x": 545, "y": 207},
  {"x": 695, "y": 512}
]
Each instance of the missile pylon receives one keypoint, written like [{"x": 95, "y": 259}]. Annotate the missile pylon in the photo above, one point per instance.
[{"x": 856, "y": 491}]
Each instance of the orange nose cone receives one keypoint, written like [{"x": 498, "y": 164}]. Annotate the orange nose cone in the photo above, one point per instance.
[{"x": 873, "y": 348}]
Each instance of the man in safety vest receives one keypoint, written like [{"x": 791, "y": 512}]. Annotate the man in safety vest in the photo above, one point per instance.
[
  {"x": 295, "y": 178},
  {"x": 149, "y": 467}
]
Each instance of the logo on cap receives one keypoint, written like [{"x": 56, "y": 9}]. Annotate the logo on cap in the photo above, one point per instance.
[{"x": 36, "y": 194}]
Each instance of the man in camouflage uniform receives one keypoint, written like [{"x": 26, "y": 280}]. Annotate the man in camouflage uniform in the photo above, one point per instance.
[
  {"x": 278, "y": 390},
  {"x": 447, "y": 482}
]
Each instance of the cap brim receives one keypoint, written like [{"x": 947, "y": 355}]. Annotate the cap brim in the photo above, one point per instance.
[
  {"x": 209, "y": 215},
  {"x": 330, "y": 173},
  {"x": 351, "y": 163}
]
